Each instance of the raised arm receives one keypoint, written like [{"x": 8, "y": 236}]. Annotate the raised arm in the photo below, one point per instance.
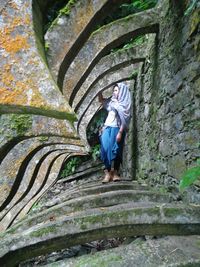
[{"x": 100, "y": 98}]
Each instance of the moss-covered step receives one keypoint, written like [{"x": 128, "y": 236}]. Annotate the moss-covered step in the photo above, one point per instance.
[
  {"x": 108, "y": 64},
  {"x": 105, "y": 39},
  {"x": 81, "y": 17},
  {"x": 26, "y": 85},
  {"x": 173, "y": 251},
  {"x": 96, "y": 189},
  {"x": 89, "y": 184},
  {"x": 120, "y": 220},
  {"x": 102, "y": 201}
]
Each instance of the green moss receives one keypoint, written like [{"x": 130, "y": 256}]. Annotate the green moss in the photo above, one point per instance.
[
  {"x": 20, "y": 123},
  {"x": 171, "y": 212},
  {"x": 98, "y": 260},
  {"x": 43, "y": 231},
  {"x": 134, "y": 74},
  {"x": 43, "y": 138},
  {"x": 46, "y": 46},
  {"x": 67, "y": 9},
  {"x": 64, "y": 11}
]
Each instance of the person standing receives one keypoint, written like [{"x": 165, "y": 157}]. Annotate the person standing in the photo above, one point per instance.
[{"x": 114, "y": 130}]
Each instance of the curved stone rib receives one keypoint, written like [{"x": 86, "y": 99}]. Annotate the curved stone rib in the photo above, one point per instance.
[
  {"x": 64, "y": 44},
  {"x": 113, "y": 62},
  {"x": 26, "y": 85},
  {"x": 24, "y": 151},
  {"x": 15, "y": 128},
  {"x": 102, "y": 41},
  {"x": 79, "y": 204},
  {"x": 107, "y": 81},
  {"x": 29, "y": 177},
  {"x": 51, "y": 180},
  {"x": 108, "y": 64},
  {"x": 39, "y": 181},
  {"x": 121, "y": 220}
]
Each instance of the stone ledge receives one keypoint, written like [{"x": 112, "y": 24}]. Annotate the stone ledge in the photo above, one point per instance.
[{"x": 121, "y": 220}]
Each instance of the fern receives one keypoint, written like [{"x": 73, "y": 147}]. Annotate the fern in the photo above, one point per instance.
[{"x": 190, "y": 176}]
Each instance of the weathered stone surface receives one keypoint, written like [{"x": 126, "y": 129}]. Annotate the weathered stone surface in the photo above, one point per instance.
[
  {"x": 42, "y": 180},
  {"x": 37, "y": 176},
  {"x": 14, "y": 128},
  {"x": 167, "y": 102},
  {"x": 26, "y": 85},
  {"x": 164, "y": 252},
  {"x": 102, "y": 41},
  {"x": 176, "y": 166},
  {"x": 107, "y": 64},
  {"x": 81, "y": 19},
  {"x": 122, "y": 220},
  {"x": 87, "y": 202}
]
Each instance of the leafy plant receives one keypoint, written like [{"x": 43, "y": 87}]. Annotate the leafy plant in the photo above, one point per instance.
[
  {"x": 70, "y": 166},
  {"x": 94, "y": 126},
  {"x": 190, "y": 176},
  {"x": 95, "y": 152}
]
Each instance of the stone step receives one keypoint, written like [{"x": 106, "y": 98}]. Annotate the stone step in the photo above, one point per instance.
[
  {"x": 173, "y": 251},
  {"x": 91, "y": 201},
  {"x": 120, "y": 220},
  {"x": 96, "y": 188},
  {"x": 97, "y": 182}
]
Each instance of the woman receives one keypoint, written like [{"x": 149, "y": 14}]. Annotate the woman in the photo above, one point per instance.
[{"x": 114, "y": 130}]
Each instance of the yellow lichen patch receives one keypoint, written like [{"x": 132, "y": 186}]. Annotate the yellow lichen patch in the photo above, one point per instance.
[
  {"x": 13, "y": 44},
  {"x": 6, "y": 76},
  {"x": 82, "y": 19},
  {"x": 27, "y": 19}
]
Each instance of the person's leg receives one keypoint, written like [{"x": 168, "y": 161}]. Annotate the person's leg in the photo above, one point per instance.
[
  {"x": 118, "y": 160},
  {"x": 108, "y": 176},
  {"x": 115, "y": 170},
  {"x": 105, "y": 147}
]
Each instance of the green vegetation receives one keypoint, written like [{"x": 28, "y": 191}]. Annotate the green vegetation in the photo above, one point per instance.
[
  {"x": 66, "y": 10},
  {"x": 63, "y": 7},
  {"x": 95, "y": 152},
  {"x": 70, "y": 166},
  {"x": 95, "y": 126},
  {"x": 128, "y": 8},
  {"x": 190, "y": 176},
  {"x": 133, "y": 42},
  {"x": 20, "y": 123},
  {"x": 192, "y": 5}
]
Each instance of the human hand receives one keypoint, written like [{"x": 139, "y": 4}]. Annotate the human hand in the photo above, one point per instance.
[{"x": 119, "y": 137}]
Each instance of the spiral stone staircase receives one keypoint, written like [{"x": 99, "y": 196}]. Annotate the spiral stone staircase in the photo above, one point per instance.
[{"x": 47, "y": 101}]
